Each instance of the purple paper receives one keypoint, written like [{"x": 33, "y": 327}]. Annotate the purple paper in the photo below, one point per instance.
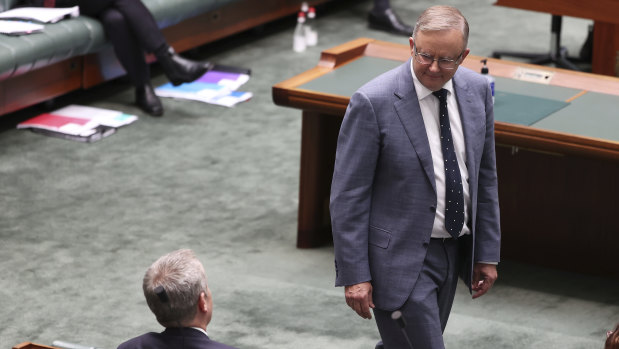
[{"x": 215, "y": 76}]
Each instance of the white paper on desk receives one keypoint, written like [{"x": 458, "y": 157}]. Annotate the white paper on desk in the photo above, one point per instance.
[
  {"x": 105, "y": 117},
  {"x": 19, "y": 27},
  {"x": 41, "y": 14}
]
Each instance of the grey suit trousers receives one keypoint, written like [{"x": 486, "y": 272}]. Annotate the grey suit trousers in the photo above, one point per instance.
[{"x": 427, "y": 309}]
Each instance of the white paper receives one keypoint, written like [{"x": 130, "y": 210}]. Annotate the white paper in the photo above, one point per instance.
[
  {"x": 41, "y": 14},
  {"x": 19, "y": 27}
]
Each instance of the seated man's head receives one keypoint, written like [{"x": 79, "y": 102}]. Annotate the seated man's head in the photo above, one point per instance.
[{"x": 176, "y": 291}]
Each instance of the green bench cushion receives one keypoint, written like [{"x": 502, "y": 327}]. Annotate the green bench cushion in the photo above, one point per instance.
[{"x": 82, "y": 35}]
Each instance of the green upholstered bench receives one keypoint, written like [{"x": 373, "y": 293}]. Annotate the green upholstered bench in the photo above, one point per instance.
[
  {"x": 82, "y": 35},
  {"x": 74, "y": 53}
]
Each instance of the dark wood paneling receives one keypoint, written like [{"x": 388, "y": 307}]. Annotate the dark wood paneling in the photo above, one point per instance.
[
  {"x": 40, "y": 85},
  {"x": 318, "y": 142},
  {"x": 559, "y": 211}
]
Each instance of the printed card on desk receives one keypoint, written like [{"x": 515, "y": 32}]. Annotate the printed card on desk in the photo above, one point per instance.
[
  {"x": 214, "y": 87},
  {"x": 79, "y": 123}
]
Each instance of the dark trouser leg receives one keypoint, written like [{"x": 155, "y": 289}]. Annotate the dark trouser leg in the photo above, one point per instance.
[
  {"x": 427, "y": 309},
  {"x": 126, "y": 46},
  {"x": 139, "y": 19},
  {"x": 380, "y": 6},
  {"x": 382, "y": 17},
  {"x": 140, "y": 24}
]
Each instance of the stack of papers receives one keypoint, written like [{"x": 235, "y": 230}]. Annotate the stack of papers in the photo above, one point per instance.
[
  {"x": 78, "y": 123},
  {"x": 19, "y": 27},
  {"x": 215, "y": 87},
  {"x": 41, "y": 14}
]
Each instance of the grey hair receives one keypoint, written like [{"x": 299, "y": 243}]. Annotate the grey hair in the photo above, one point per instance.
[
  {"x": 183, "y": 278},
  {"x": 437, "y": 18}
]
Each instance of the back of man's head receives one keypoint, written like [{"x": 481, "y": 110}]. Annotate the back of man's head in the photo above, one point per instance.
[{"x": 172, "y": 286}]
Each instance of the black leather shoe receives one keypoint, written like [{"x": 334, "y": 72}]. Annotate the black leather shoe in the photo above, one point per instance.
[
  {"x": 148, "y": 101},
  {"x": 390, "y": 22},
  {"x": 181, "y": 70},
  {"x": 379, "y": 345}
]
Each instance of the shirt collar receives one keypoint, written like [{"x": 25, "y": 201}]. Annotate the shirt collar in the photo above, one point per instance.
[
  {"x": 422, "y": 91},
  {"x": 200, "y": 329}
]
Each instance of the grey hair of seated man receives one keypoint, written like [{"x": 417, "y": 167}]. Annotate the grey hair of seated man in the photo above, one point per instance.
[{"x": 183, "y": 278}]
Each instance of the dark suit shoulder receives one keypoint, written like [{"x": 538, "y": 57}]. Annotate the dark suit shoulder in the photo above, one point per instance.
[
  {"x": 147, "y": 340},
  {"x": 186, "y": 338}
]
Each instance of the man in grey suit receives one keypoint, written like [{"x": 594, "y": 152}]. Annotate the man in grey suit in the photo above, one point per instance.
[{"x": 414, "y": 200}]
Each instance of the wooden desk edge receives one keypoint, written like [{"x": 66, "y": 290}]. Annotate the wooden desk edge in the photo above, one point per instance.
[{"x": 555, "y": 142}]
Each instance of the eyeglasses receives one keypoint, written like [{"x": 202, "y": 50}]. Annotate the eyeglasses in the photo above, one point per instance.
[{"x": 443, "y": 63}]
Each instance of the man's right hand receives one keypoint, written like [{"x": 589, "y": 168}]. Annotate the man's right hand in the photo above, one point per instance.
[{"x": 359, "y": 298}]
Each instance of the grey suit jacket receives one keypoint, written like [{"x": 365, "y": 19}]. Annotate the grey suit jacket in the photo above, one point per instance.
[{"x": 383, "y": 194}]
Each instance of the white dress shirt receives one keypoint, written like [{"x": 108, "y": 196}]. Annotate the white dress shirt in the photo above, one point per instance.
[
  {"x": 429, "y": 105},
  {"x": 201, "y": 330}
]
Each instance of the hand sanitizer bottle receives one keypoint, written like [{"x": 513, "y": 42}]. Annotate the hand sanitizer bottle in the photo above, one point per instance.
[
  {"x": 298, "y": 40},
  {"x": 311, "y": 35}
]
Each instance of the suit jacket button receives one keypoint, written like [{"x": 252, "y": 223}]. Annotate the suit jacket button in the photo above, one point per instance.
[{"x": 433, "y": 208}]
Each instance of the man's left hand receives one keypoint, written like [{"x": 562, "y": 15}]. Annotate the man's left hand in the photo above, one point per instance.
[{"x": 484, "y": 276}]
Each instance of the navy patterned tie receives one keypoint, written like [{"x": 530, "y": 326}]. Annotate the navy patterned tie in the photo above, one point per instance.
[{"x": 454, "y": 199}]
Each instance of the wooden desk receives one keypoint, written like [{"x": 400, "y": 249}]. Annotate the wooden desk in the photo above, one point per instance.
[
  {"x": 556, "y": 189},
  {"x": 604, "y": 13}
]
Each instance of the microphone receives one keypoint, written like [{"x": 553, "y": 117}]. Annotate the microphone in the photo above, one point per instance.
[
  {"x": 399, "y": 319},
  {"x": 67, "y": 345}
]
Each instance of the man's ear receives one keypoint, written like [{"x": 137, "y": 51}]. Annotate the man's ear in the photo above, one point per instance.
[
  {"x": 202, "y": 303},
  {"x": 464, "y": 54}
]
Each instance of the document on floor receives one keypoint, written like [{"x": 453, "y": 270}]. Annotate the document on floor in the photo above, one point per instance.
[
  {"x": 218, "y": 86},
  {"x": 78, "y": 123}
]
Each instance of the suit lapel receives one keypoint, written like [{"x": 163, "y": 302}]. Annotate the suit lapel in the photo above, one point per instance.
[
  {"x": 472, "y": 127},
  {"x": 407, "y": 107}
]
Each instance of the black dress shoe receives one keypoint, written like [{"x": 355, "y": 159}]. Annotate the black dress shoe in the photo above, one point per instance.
[
  {"x": 390, "y": 22},
  {"x": 148, "y": 101},
  {"x": 181, "y": 70},
  {"x": 379, "y": 345}
]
